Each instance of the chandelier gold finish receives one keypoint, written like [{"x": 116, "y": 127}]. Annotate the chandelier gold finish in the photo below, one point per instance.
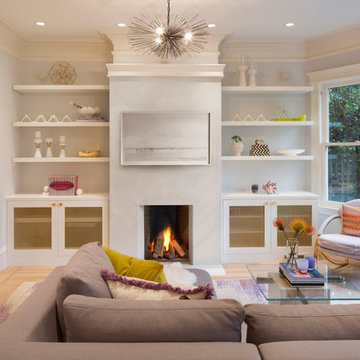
[{"x": 168, "y": 38}]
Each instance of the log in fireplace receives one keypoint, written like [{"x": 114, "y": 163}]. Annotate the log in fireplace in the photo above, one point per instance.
[{"x": 166, "y": 234}]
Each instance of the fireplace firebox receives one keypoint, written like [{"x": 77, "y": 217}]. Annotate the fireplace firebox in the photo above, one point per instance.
[{"x": 166, "y": 232}]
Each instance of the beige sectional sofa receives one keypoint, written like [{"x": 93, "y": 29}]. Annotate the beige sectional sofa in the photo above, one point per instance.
[{"x": 98, "y": 327}]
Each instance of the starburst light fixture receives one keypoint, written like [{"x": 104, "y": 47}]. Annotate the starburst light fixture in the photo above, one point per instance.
[{"x": 168, "y": 38}]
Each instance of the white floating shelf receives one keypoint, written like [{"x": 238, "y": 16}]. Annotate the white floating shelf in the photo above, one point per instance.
[
  {"x": 266, "y": 158},
  {"x": 262, "y": 196},
  {"x": 56, "y": 89},
  {"x": 267, "y": 123},
  {"x": 283, "y": 90},
  {"x": 61, "y": 160},
  {"x": 62, "y": 124}
]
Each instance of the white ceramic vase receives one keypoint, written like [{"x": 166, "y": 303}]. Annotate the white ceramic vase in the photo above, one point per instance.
[{"x": 237, "y": 148}]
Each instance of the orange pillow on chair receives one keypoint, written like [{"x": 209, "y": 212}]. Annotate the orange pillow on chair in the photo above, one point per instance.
[{"x": 350, "y": 220}]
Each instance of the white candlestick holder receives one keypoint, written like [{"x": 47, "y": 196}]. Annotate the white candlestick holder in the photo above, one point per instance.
[
  {"x": 48, "y": 149},
  {"x": 62, "y": 150},
  {"x": 242, "y": 69}
]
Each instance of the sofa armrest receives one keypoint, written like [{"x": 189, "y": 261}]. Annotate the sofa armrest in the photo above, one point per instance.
[
  {"x": 271, "y": 323},
  {"x": 89, "y": 319},
  {"x": 35, "y": 319}
]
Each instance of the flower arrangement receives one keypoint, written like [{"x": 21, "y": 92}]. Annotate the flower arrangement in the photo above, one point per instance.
[
  {"x": 298, "y": 227},
  {"x": 236, "y": 139},
  {"x": 270, "y": 187}
]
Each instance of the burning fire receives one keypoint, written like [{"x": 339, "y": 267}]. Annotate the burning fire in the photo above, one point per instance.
[{"x": 167, "y": 238}]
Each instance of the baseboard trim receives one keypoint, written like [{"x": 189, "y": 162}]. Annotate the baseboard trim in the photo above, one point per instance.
[{"x": 3, "y": 260}]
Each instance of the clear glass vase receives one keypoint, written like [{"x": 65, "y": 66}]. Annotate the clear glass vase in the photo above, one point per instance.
[{"x": 292, "y": 247}]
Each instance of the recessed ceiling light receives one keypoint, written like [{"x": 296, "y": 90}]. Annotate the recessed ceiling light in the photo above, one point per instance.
[
  {"x": 40, "y": 23},
  {"x": 121, "y": 25},
  {"x": 290, "y": 24},
  {"x": 211, "y": 25}
]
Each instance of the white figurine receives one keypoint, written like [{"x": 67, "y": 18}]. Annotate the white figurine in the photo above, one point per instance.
[
  {"x": 252, "y": 72},
  {"x": 242, "y": 68}
]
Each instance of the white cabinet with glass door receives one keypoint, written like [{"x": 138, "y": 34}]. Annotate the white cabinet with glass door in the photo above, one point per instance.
[
  {"x": 248, "y": 232},
  {"x": 49, "y": 230}
]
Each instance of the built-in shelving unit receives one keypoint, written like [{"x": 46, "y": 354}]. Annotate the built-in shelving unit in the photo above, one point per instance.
[
  {"x": 267, "y": 158},
  {"x": 61, "y": 124},
  {"x": 61, "y": 160},
  {"x": 267, "y": 90},
  {"x": 267, "y": 123},
  {"x": 56, "y": 89}
]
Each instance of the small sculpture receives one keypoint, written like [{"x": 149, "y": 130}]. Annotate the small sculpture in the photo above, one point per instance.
[
  {"x": 252, "y": 72},
  {"x": 48, "y": 149},
  {"x": 37, "y": 142},
  {"x": 242, "y": 68},
  {"x": 62, "y": 146}
]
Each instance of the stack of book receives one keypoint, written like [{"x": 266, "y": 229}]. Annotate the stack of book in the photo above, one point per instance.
[{"x": 295, "y": 277}]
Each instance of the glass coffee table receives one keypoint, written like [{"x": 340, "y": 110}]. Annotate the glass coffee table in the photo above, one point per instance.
[{"x": 340, "y": 285}]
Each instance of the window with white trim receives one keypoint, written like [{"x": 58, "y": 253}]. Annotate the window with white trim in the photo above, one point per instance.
[{"x": 341, "y": 141}]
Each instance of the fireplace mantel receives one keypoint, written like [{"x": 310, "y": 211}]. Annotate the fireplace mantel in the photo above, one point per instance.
[{"x": 204, "y": 71}]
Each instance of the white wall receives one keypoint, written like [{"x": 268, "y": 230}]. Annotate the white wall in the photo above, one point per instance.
[{"x": 9, "y": 73}]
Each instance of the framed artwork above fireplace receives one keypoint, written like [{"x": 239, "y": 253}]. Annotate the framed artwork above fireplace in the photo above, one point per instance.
[{"x": 165, "y": 138}]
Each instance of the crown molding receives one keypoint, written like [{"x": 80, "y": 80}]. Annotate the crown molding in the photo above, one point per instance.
[
  {"x": 333, "y": 43},
  {"x": 10, "y": 40},
  {"x": 263, "y": 49},
  {"x": 332, "y": 75}
]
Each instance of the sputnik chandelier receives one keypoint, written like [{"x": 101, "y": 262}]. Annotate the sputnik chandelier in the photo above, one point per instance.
[{"x": 168, "y": 38}]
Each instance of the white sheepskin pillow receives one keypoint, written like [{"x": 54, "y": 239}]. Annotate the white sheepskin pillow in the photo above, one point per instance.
[{"x": 127, "y": 288}]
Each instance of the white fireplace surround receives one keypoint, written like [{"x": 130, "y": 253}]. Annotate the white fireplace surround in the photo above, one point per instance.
[{"x": 166, "y": 88}]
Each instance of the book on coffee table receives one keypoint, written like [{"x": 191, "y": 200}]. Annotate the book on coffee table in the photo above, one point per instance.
[{"x": 295, "y": 277}]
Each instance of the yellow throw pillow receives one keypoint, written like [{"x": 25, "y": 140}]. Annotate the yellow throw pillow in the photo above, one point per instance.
[{"x": 133, "y": 267}]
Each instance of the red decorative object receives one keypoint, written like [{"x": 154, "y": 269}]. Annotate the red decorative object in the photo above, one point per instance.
[{"x": 63, "y": 185}]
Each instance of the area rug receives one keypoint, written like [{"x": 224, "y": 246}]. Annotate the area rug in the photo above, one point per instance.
[
  {"x": 245, "y": 291},
  {"x": 17, "y": 298}
]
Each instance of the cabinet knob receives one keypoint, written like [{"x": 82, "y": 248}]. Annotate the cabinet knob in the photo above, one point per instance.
[
  {"x": 60, "y": 204},
  {"x": 53, "y": 204},
  {"x": 273, "y": 203}
]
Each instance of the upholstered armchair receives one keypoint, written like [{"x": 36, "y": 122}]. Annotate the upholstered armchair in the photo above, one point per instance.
[{"x": 342, "y": 245}]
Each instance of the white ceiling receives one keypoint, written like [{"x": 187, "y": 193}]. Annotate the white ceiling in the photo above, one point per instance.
[{"x": 245, "y": 18}]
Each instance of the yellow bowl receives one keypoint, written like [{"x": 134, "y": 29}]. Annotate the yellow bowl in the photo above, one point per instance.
[{"x": 88, "y": 153}]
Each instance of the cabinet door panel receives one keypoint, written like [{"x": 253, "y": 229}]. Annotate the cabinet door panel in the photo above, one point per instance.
[
  {"x": 83, "y": 225},
  {"x": 289, "y": 212},
  {"x": 32, "y": 228},
  {"x": 246, "y": 226}
]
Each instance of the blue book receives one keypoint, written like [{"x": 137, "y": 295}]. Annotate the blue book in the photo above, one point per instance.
[{"x": 295, "y": 277}]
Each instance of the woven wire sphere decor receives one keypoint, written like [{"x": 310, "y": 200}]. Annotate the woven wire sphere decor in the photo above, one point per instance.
[{"x": 167, "y": 38}]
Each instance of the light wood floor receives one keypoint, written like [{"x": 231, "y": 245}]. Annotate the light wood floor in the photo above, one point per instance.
[{"x": 12, "y": 276}]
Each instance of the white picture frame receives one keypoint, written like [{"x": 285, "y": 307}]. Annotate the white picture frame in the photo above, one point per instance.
[{"x": 165, "y": 138}]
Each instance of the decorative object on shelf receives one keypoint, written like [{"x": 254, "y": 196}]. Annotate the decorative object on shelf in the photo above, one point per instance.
[
  {"x": 237, "y": 146},
  {"x": 168, "y": 38},
  {"x": 87, "y": 112},
  {"x": 62, "y": 73},
  {"x": 89, "y": 153},
  {"x": 252, "y": 72},
  {"x": 62, "y": 146},
  {"x": 48, "y": 149},
  {"x": 297, "y": 227},
  {"x": 254, "y": 188},
  {"x": 242, "y": 69},
  {"x": 248, "y": 118},
  {"x": 259, "y": 148},
  {"x": 290, "y": 152},
  {"x": 79, "y": 192},
  {"x": 236, "y": 118},
  {"x": 270, "y": 187},
  {"x": 40, "y": 118},
  {"x": 53, "y": 118},
  {"x": 26, "y": 118},
  {"x": 302, "y": 118},
  {"x": 260, "y": 118},
  {"x": 37, "y": 142},
  {"x": 311, "y": 261},
  {"x": 302, "y": 265},
  {"x": 284, "y": 115},
  {"x": 66, "y": 118},
  {"x": 63, "y": 184},
  {"x": 46, "y": 190}
]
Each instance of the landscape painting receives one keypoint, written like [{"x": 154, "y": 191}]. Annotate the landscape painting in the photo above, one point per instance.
[{"x": 179, "y": 138}]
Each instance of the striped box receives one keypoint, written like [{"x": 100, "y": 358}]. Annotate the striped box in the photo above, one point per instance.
[{"x": 63, "y": 185}]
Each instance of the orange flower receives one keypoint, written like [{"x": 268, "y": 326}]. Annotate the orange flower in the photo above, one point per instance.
[
  {"x": 298, "y": 225},
  {"x": 279, "y": 223},
  {"x": 310, "y": 230}
]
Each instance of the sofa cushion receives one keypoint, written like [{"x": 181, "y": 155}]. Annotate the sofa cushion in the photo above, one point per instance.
[
  {"x": 270, "y": 323},
  {"x": 82, "y": 275},
  {"x": 350, "y": 220},
  {"x": 128, "y": 288},
  {"x": 306, "y": 350},
  {"x": 89, "y": 319},
  {"x": 131, "y": 266}
]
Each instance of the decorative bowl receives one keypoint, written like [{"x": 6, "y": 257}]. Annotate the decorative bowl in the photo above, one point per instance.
[
  {"x": 290, "y": 152},
  {"x": 87, "y": 112}
]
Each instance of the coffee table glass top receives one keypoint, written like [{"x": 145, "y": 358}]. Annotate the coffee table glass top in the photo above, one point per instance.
[{"x": 342, "y": 284}]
